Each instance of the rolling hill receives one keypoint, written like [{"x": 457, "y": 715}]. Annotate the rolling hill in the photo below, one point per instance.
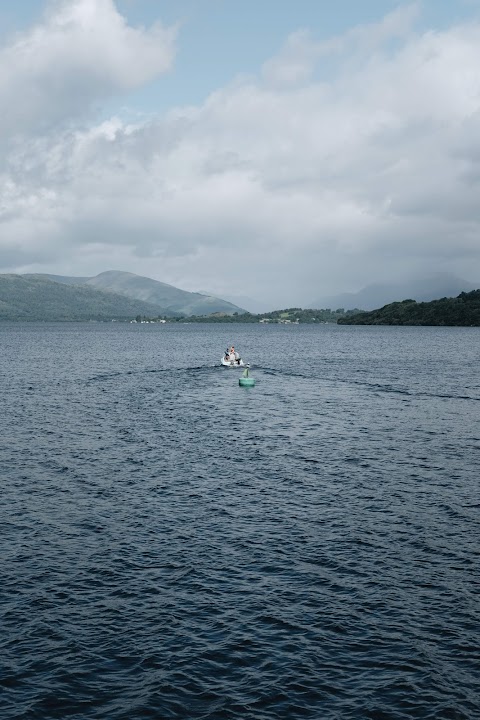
[
  {"x": 38, "y": 298},
  {"x": 170, "y": 299},
  {"x": 463, "y": 310}
]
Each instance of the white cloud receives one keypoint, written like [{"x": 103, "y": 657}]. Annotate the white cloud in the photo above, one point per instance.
[
  {"x": 82, "y": 53},
  {"x": 299, "y": 57},
  {"x": 295, "y": 184}
]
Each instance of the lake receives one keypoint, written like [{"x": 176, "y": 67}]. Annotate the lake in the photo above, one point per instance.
[{"x": 176, "y": 546}]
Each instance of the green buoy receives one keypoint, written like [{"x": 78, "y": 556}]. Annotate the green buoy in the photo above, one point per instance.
[{"x": 246, "y": 380}]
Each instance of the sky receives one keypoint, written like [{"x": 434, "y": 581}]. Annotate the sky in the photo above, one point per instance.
[{"x": 278, "y": 150}]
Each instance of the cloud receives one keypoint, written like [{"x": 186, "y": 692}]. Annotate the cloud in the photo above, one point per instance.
[
  {"x": 298, "y": 59},
  {"x": 81, "y": 54},
  {"x": 343, "y": 163}
]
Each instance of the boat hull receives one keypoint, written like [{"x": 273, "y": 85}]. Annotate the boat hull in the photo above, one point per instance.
[{"x": 229, "y": 363}]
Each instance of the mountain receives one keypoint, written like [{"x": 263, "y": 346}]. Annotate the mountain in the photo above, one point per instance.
[
  {"x": 463, "y": 310},
  {"x": 64, "y": 279},
  {"x": 170, "y": 299},
  {"x": 251, "y": 305},
  {"x": 375, "y": 296},
  {"x": 33, "y": 297}
]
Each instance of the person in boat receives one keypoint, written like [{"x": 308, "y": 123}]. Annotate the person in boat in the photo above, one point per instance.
[
  {"x": 234, "y": 356},
  {"x": 227, "y": 354}
]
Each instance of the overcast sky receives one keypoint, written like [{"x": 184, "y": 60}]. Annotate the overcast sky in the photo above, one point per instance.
[{"x": 281, "y": 150}]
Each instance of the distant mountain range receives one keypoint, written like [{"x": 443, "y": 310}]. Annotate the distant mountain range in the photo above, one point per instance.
[
  {"x": 378, "y": 295},
  {"x": 115, "y": 295},
  {"x": 110, "y": 295}
]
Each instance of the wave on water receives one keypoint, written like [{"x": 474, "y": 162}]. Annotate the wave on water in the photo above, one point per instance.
[{"x": 174, "y": 547}]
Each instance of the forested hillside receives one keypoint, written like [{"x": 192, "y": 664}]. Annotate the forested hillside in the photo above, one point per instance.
[
  {"x": 38, "y": 298},
  {"x": 463, "y": 310}
]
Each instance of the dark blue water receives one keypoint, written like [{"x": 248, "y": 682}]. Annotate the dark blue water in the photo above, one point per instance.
[{"x": 175, "y": 546}]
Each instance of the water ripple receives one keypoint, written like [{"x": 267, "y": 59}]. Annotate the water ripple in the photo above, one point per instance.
[{"x": 174, "y": 547}]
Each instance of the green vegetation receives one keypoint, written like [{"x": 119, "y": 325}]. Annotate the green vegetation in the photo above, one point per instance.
[
  {"x": 166, "y": 298},
  {"x": 43, "y": 298},
  {"x": 463, "y": 310},
  {"x": 37, "y": 298},
  {"x": 288, "y": 316}
]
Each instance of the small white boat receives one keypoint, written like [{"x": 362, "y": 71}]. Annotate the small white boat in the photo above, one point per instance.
[{"x": 232, "y": 363}]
